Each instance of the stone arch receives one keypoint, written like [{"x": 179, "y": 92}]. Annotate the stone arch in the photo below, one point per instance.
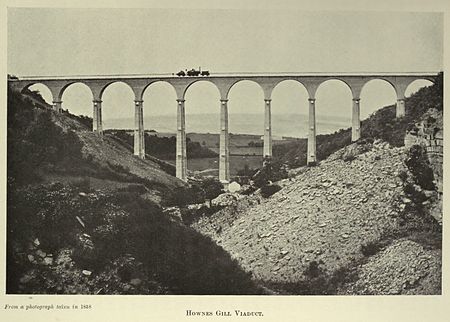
[
  {"x": 290, "y": 79},
  {"x": 376, "y": 93},
  {"x": 234, "y": 83},
  {"x": 63, "y": 89},
  {"x": 352, "y": 90},
  {"x": 197, "y": 81},
  {"x": 289, "y": 106},
  {"x": 162, "y": 94},
  {"x": 102, "y": 90},
  {"x": 157, "y": 82},
  {"x": 408, "y": 85},
  {"x": 78, "y": 106},
  {"x": 337, "y": 104},
  {"x": 387, "y": 80},
  {"x": 52, "y": 91},
  {"x": 117, "y": 103}
]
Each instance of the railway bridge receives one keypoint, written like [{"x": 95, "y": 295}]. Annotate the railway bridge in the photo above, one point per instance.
[{"x": 224, "y": 82}]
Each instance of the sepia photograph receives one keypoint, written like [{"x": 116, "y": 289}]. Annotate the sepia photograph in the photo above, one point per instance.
[{"x": 200, "y": 151}]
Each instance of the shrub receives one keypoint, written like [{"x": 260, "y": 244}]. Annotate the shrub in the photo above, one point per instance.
[
  {"x": 268, "y": 190},
  {"x": 313, "y": 270},
  {"x": 271, "y": 171},
  {"x": 417, "y": 162},
  {"x": 211, "y": 188},
  {"x": 370, "y": 248}
]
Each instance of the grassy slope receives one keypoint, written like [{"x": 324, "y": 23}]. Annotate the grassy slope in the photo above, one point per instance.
[{"x": 124, "y": 244}]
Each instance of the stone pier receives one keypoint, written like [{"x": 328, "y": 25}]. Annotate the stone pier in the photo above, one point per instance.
[
  {"x": 267, "y": 129},
  {"x": 181, "y": 158},
  {"x": 400, "y": 110},
  {"x": 139, "y": 139},
  {"x": 224, "y": 164},
  {"x": 97, "y": 117},
  {"x": 311, "y": 157},
  {"x": 356, "y": 121},
  {"x": 57, "y": 106}
]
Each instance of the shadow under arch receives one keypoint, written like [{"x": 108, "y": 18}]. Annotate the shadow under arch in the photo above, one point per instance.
[
  {"x": 375, "y": 94},
  {"x": 74, "y": 103},
  {"x": 42, "y": 89},
  {"x": 333, "y": 105}
]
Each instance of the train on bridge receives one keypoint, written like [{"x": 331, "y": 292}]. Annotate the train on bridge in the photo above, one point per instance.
[{"x": 193, "y": 72}]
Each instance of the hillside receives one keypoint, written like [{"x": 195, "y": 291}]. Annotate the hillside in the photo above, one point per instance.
[
  {"x": 84, "y": 216},
  {"x": 326, "y": 223},
  {"x": 47, "y": 147},
  {"x": 365, "y": 220}
]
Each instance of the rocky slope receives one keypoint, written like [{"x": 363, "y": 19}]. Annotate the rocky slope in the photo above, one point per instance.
[{"x": 323, "y": 219}]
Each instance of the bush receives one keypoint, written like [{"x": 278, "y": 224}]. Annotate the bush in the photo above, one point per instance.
[
  {"x": 370, "y": 248},
  {"x": 211, "y": 188},
  {"x": 121, "y": 229},
  {"x": 417, "y": 162},
  {"x": 268, "y": 190},
  {"x": 271, "y": 171}
]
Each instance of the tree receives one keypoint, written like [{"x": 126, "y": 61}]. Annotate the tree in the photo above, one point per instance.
[{"x": 211, "y": 188}]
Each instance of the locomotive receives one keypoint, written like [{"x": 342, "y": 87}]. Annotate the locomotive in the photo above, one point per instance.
[{"x": 193, "y": 72}]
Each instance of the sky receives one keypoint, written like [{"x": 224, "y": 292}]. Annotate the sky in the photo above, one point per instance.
[{"x": 137, "y": 41}]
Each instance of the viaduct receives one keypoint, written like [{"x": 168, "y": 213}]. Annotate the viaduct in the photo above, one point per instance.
[{"x": 224, "y": 83}]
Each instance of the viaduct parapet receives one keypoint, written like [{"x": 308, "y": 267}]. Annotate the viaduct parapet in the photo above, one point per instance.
[{"x": 224, "y": 83}]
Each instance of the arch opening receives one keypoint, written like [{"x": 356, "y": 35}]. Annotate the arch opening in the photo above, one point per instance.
[
  {"x": 246, "y": 126},
  {"x": 39, "y": 91},
  {"x": 333, "y": 106},
  {"x": 77, "y": 99},
  {"x": 160, "y": 120},
  {"x": 118, "y": 106},
  {"x": 289, "y": 110},
  {"x": 160, "y": 107},
  {"x": 375, "y": 94},
  {"x": 202, "y": 109},
  {"x": 416, "y": 85}
]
